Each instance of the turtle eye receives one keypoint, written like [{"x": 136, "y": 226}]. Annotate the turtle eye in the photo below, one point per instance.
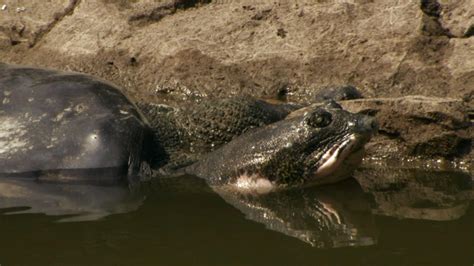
[{"x": 319, "y": 118}]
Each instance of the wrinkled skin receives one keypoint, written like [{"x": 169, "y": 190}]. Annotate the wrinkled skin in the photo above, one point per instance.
[
  {"x": 308, "y": 148},
  {"x": 182, "y": 135}
]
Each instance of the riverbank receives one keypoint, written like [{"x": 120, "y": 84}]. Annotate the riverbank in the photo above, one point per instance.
[{"x": 174, "y": 51}]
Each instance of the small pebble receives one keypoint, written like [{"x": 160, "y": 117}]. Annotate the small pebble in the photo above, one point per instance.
[
  {"x": 4, "y": 7},
  {"x": 20, "y": 9}
]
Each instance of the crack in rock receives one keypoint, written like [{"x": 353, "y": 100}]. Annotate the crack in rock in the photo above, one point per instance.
[
  {"x": 431, "y": 19},
  {"x": 163, "y": 10},
  {"x": 58, "y": 17}
]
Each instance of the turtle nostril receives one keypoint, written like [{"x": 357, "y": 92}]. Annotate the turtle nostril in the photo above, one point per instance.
[{"x": 367, "y": 124}]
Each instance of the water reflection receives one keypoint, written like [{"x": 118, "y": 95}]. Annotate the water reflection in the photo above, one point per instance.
[
  {"x": 417, "y": 193},
  {"x": 325, "y": 217},
  {"x": 342, "y": 214},
  {"x": 338, "y": 215},
  {"x": 72, "y": 202}
]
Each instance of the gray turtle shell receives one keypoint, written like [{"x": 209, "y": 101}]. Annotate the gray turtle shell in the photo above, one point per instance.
[{"x": 56, "y": 125}]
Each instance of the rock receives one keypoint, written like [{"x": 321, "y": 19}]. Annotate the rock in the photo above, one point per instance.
[
  {"x": 458, "y": 17},
  {"x": 174, "y": 51},
  {"x": 338, "y": 93},
  {"x": 457, "y": 65},
  {"x": 153, "y": 11},
  {"x": 417, "y": 126},
  {"x": 27, "y": 21},
  {"x": 178, "y": 49}
]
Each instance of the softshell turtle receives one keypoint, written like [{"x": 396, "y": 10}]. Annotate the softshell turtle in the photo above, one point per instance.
[{"x": 65, "y": 126}]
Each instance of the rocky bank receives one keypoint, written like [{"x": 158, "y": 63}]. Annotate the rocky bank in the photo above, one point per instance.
[{"x": 179, "y": 50}]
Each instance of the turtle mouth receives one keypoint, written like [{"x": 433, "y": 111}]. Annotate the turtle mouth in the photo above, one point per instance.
[{"x": 331, "y": 160}]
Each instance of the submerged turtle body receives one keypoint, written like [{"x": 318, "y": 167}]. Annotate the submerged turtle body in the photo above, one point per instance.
[{"x": 61, "y": 126}]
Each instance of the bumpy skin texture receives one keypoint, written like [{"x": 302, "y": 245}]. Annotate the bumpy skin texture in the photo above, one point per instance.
[
  {"x": 60, "y": 125},
  {"x": 168, "y": 138},
  {"x": 287, "y": 152},
  {"x": 182, "y": 135}
]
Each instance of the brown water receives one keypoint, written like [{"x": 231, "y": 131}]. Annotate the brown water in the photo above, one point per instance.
[{"x": 183, "y": 222}]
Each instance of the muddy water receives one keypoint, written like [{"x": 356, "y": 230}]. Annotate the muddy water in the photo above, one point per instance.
[{"x": 386, "y": 217}]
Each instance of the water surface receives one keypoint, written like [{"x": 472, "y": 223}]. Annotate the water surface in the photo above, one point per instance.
[{"x": 414, "y": 220}]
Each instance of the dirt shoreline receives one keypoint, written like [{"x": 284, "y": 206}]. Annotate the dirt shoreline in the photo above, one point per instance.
[{"x": 173, "y": 51}]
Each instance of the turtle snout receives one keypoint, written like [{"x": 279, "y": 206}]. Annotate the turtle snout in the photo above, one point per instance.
[{"x": 367, "y": 124}]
